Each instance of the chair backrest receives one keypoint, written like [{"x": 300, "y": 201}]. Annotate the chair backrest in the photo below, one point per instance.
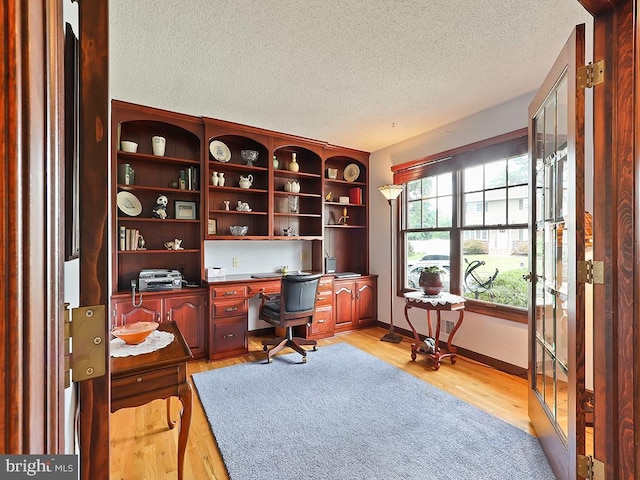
[{"x": 298, "y": 293}]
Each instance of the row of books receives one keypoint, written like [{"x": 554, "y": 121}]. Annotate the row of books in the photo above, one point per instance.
[
  {"x": 130, "y": 239},
  {"x": 189, "y": 178}
]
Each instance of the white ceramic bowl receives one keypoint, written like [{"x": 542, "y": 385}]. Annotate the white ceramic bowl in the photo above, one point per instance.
[
  {"x": 127, "y": 146},
  {"x": 238, "y": 230}
]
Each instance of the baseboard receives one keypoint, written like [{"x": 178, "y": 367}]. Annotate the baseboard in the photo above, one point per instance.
[{"x": 478, "y": 357}]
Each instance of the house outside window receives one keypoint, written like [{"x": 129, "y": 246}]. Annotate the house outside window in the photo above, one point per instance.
[{"x": 468, "y": 214}]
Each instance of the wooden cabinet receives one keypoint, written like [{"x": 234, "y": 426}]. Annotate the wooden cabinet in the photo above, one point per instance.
[
  {"x": 355, "y": 302},
  {"x": 323, "y": 324},
  {"x": 346, "y": 223},
  {"x": 139, "y": 178},
  {"x": 228, "y": 319},
  {"x": 186, "y": 308}
]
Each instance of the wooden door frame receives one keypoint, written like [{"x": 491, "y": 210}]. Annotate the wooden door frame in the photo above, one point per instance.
[
  {"x": 32, "y": 250},
  {"x": 95, "y": 394},
  {"x": 616, "y": 217}
]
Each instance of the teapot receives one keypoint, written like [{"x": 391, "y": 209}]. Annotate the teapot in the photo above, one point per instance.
[
  {"x": 245, "y": 182},
  {"x": 292, "y": 187}
]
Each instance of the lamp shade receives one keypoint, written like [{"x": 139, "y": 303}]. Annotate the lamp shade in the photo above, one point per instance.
[{"x": 390, "y": 192}]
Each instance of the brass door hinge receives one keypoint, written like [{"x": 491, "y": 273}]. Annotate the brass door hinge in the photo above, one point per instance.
[
  {"x": 590, "y": 468},
  {"x": 590, "y": 74},
  {"x": 85, "y": 357},
  {"x": 591, "y": 271}
]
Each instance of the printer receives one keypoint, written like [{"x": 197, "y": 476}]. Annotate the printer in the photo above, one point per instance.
[{"x": 159, "y": 279}]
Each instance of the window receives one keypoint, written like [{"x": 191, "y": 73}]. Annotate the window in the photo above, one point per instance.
[{"x": 467, "y": 212}]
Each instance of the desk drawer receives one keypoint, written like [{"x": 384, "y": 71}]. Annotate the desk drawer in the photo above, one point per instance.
[
  {"x": 269, "y": 288},
  {"x": 229, "y": 335},
  {"x": 144, "y": 382},
  {"x": 229, "y": 308},
  {"x": 324, "y": 298},
  {"x": 228, "y": 291},
  {"x": 322, "y": 322}
]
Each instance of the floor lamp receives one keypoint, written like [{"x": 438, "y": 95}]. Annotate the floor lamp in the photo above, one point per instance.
[{"x": 391, "y": 193}]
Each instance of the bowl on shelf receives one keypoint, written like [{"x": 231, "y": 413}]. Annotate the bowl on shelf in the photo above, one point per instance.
[
  {"x": 127, "y": 146},
  {"x": 249, "y": 156},
  {"x": 134, "y": 333},
  {"x": 238, "y": 230}
]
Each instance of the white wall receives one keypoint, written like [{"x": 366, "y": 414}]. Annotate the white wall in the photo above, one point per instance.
[{"x": 494, "y": 337}]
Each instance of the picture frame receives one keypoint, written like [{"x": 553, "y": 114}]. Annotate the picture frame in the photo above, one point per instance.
[
  {"x": 185, "y": 210},
  {"x": 212, "y": 227}
]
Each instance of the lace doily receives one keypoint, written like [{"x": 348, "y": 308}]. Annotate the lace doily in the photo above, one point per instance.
[
  {"x": 441, "y": 299},
  {"x": 155, "y": 341}
]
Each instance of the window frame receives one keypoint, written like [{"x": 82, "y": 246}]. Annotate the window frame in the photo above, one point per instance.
[{"x": 502, "y": 146}]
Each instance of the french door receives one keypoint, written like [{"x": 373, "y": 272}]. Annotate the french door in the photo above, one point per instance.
[{"x": 556, "y": 311}]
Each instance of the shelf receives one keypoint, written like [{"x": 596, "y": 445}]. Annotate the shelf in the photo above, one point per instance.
[
  {"x": 298, "y": 194},
  {"x": 288, "y": 174},
  {"x": 338, "y": 204},
  {"x": 228, "y": 166},
  {"x": 236, "y": 212},
  {"x": 146, "y": 157},
  {"x": 154, "y": 189},
  {"x": 156, "y": 252},
  {"x": 308, "y": 215},
  {"x": 345, "y": 226},
  {"x": 254, "y": 191},
  {"x": 234, "y": 237},
  {"x": 159, "y": 220},
  {"x": 330, "y": 181}
]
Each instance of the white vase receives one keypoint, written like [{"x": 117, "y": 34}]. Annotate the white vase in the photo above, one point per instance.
[
  {"x": 214, "y": 179},
  {"x": 221, "y": 179}
]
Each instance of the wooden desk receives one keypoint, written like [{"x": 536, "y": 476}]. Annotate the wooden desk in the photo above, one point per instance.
[
  {"x": 444, "y": 302},
  {"x": 161, "y": 374}
]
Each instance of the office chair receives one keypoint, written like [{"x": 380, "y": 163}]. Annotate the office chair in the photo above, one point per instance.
[{"x": 294, "y": 306}]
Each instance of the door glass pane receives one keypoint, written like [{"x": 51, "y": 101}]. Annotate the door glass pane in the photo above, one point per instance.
[{"x": 552, "y": 255}]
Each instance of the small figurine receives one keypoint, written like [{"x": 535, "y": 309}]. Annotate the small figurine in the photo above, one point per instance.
[
  {"x": 290, "y": 231},
  {"x": 160, "y": 209},
  {"x": 175, "y": 245},
  {"x": 243, "y": 207}
]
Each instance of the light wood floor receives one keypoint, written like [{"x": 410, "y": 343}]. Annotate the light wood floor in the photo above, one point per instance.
[{"x": 142, "y": 448}]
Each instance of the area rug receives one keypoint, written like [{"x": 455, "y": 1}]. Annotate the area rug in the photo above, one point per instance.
[{"x": 346, "y": 414}]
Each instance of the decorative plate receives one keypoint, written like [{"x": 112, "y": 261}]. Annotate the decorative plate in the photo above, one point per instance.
[
  {"x": 220, "y": 151},
  {"x": 129, "y": 204},
  {"x": 351, "y": 172}
]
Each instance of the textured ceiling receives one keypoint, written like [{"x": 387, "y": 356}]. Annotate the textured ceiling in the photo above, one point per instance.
[{"x": 359, "y": 73}]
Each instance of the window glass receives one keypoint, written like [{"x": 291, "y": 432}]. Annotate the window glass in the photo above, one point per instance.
[
  {"x": 474, "y": 178},
  {"x": 494, "y": 262},
  {"x": 425, "y": 249},
  {"x": 495, "y": 174}
]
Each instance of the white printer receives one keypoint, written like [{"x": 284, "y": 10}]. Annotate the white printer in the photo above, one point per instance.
[{"x": 159, "y": 279}]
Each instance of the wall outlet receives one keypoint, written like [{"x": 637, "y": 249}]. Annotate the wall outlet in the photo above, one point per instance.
[
  {"x": 448, "y": 326},
  {"x": 236, "y": 262},
  {"x": 303, "y": 256}
]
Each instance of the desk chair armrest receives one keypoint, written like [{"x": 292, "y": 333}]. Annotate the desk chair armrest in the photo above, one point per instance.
[{"x": 264, "y": 298}]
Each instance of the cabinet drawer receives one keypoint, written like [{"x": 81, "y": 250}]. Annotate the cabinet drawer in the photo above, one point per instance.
[
  {"x": 229, "y": 308},
  {"x": 322, "y": 322},
  {"x": 228, "y": 291},
  {"x": 269, "y": 288},
  {"x": 144, "y": 382},
  {"x": 229, "y": 335},
  {"x": 324, "y": 298}
]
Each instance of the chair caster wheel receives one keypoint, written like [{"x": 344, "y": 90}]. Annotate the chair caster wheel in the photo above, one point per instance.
[
  {"x": 304, "y": 359},
  {"x": 264, "y": 348},
  {"x": 315, "y": 348},
  {"x": 269, "y": 360}
]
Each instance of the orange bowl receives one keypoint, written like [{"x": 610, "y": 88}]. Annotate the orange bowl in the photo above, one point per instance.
[{"x": 134, "y": 333}]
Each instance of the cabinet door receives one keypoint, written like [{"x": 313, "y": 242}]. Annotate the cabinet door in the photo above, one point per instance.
[
  {"x": 188, "y": 311},
  {"x": 365, "y": 302},
  {"x": 344, "y": 303},
  {"x": 125, "y": 312}
]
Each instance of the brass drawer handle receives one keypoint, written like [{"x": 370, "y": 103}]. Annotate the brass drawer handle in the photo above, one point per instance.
[
  {"x": 230, "y": 293},
  {"x": 321, "y": 321},
  {"x": 230, "y": 309},
  {"x": 229, "y": 335},
  {"x": 321, "y": 299},
  {"x": 139, "y": 379}
]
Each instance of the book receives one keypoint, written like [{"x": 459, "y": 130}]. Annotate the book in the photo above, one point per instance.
[
  {"x": 123, "y": 232},
  {"x": 355, "y": 196}
]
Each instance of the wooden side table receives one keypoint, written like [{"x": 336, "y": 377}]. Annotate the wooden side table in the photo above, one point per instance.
[
  {"x": 443, "y": 302},
  {"x": 139, "y": 379}
]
